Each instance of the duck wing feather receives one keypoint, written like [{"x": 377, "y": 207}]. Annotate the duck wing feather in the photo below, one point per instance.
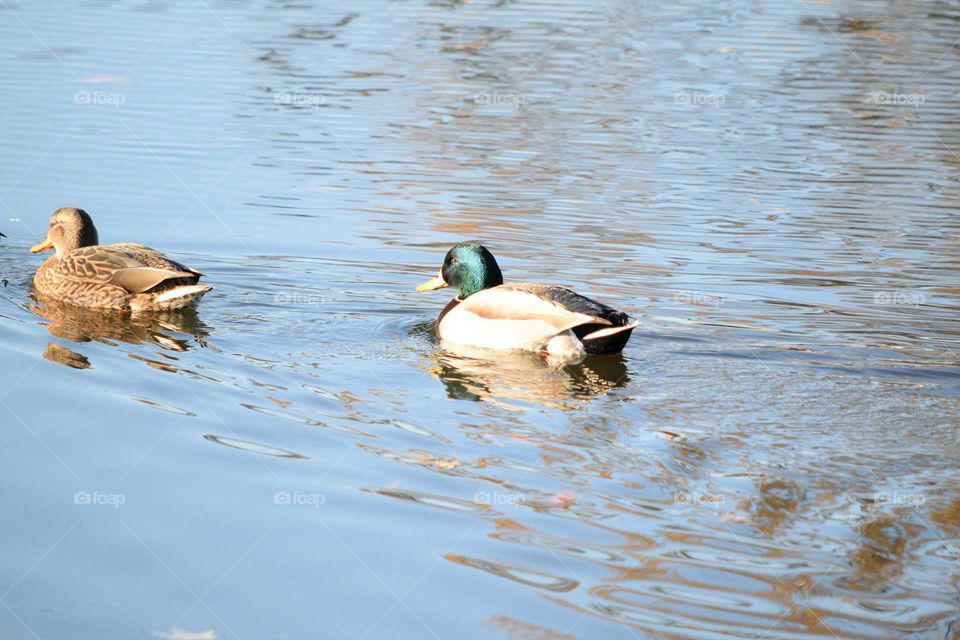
[
  {"x": 559, "y": 307},
  {"x": 135, "y": 271},
  {"x": 152, "y": 258},
  {"x": 571, "y": 301}
]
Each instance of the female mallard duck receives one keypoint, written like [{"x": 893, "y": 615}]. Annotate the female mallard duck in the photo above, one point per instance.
[
  {"x": 124, "y": 276},
  {"x": 521, "y": 315}
]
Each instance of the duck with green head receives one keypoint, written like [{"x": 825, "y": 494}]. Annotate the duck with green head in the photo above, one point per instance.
[{"x": 521, "y": 315}]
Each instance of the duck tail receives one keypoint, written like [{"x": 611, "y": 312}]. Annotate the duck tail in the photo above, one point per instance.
[
  {"x": 178, "y": 297},
  {"x": 606, "y": 332}
]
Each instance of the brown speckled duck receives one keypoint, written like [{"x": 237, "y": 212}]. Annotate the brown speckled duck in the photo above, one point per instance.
[{"x": 123, "y": 276}]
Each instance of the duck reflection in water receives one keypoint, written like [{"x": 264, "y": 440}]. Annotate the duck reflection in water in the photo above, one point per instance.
[
  {"x": 177, "y": 330},
  {"x": 471, "y": 373}
]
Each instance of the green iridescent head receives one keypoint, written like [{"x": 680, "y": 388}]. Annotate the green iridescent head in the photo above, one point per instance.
[{"x": 467, "y": 268}]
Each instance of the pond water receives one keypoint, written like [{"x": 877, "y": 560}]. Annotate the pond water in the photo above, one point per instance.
[{"x": 771, "y": 187}]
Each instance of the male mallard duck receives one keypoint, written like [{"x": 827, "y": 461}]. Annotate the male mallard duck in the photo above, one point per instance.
[
  {"x": 521, "y": 315},
  {"x": 124, "y": 276}
]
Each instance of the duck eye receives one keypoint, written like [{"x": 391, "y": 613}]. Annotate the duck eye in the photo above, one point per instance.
[{"x": 453, "y": 261}]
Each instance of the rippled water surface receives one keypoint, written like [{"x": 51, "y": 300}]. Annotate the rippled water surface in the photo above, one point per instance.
[{"x": 771, "y": 187}]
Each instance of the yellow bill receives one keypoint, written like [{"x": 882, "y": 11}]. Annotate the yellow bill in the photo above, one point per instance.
[
  {"x": 436, "y": 282},
  {"x": 42, "y": 246}
]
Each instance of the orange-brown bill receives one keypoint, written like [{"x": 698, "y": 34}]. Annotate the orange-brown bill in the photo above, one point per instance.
[{"x": 42, "y": 246}]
